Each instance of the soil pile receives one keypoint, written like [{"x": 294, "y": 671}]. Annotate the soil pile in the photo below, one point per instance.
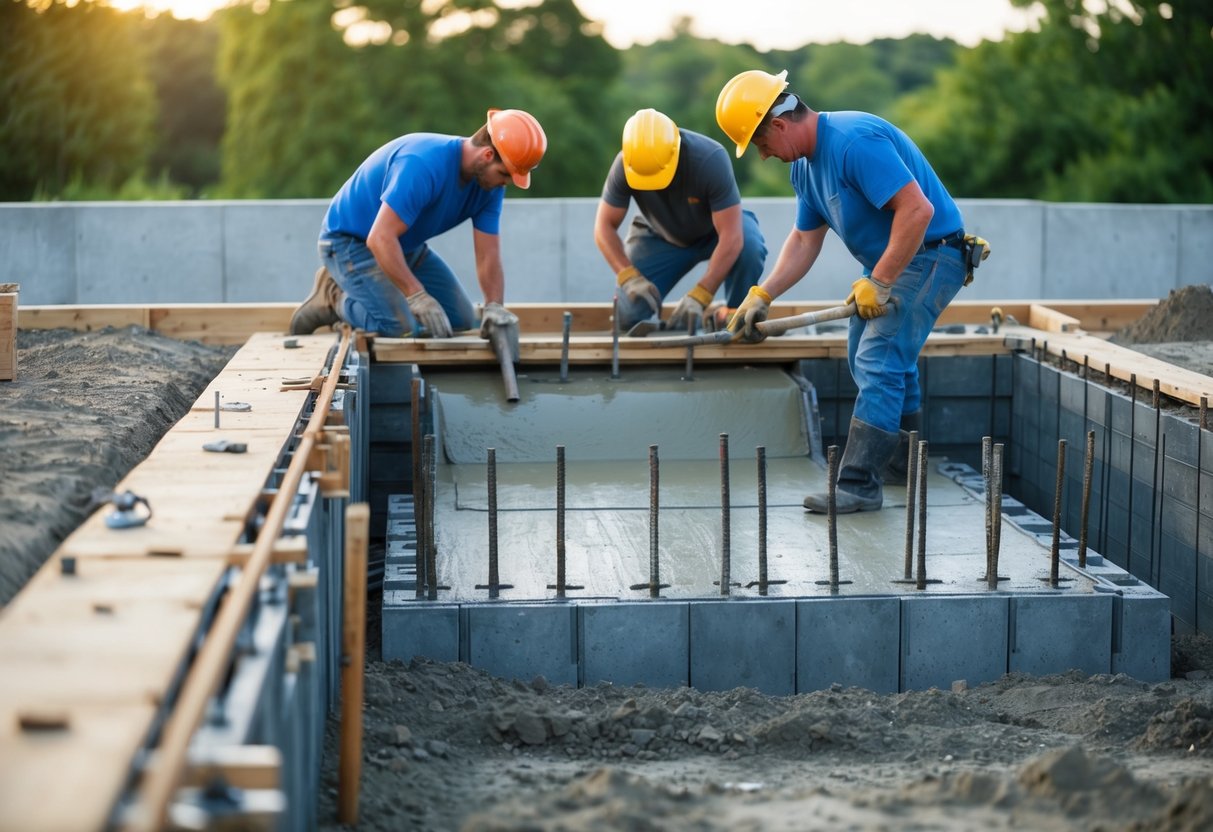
[
  {"x": 1185, "y": 315},
  {"x": 85, "y": 408}
]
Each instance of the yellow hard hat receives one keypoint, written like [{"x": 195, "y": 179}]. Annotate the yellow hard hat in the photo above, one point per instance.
[
  {"x": 650, "y": 150},
  {"x": 743, "y": 102}
]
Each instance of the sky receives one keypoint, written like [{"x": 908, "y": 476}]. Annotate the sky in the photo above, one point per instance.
[{"x": 766, "y": 24}]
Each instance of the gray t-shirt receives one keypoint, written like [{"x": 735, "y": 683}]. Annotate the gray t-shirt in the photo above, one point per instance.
[{"x": 682, "y": 212}]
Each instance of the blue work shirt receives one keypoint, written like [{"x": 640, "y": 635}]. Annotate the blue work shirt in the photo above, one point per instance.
[
  {"x": 859, "y": 163},
  {"x": 417, "y": 175}
]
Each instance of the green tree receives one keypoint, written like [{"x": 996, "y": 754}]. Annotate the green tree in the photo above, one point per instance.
[
  {"x": 845, "y": 76},
  {"x": 76, "y": 105}
]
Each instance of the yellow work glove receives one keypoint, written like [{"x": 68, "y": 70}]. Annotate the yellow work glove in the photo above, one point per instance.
[
  {"x": 430, "y": 314},
  {"x": 753, "y": 309},
  {"x": 870, "y": 297},
  {"x": 638, "y": 287},
  {"x": 691, "y": 308}
]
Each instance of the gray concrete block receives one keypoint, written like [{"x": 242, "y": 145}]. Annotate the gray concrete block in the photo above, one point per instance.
[
  {"x": 628, "y": 643},
  {"x": 419, "y": 628},
  {"x": 269, "y": 261},
  {"x": 38, "y": 250},
  {"x": 1135, "y": 246},
  {"x": 584, "y": 275},
  {"x": 147, "y": 252},
  {"x": 1056, "y": 633},
  {"x": 1141, "y": 645},
  {"x": 1182, "y": 597},
  {"x": 945, "y": 638},
  {"x": 1015, "y": 230},
  {"x": 740, "y": 643},
  {"x": 533, "y": 241},
  {"x": 522, "y": 641},
  {"x": 849, "y": 641},
  {"x": 1195, "y": 244}
]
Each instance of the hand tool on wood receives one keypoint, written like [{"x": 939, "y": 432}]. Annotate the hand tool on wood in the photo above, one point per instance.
[
  {"x": 771, "y": 326},
  {"x": 126, "y": 514},
  {"x": 223, "y": 446},
  {"x": 500, "y": 327}
]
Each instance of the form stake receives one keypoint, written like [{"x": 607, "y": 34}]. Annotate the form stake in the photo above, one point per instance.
[{"x": 564, "y": 347}]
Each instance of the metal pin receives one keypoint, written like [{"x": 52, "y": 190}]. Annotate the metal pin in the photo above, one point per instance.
[
  {"x": 922, "y": 516},
  {"x": 1204, "y": 412},
  {"x": 987, "y": 453},
  {"x": 690, "y": 370},
  {"x": 560, "y": 563},
  {"x": 1088, "y": 466},
  {"x": 1055, "y": 551},
  {"x": 564, "y": 347},
  {"x": 494, "y": 586},
  {"x": 654, "y": 584},
  {"x": 418, "y": 488},
  {"x": 431, "y": 479},
  {"x": 725, "y": 565},
  {"x": 761, "y": 454},
  {"x": 615, "y": 338},
  {"x": 911, "y": 490},
  {"x": 832, "y": 514},
  {"x": 216, "y": 410},
  {"x": 1156, "y": 394},
  {"x": 996, "y": 543}
]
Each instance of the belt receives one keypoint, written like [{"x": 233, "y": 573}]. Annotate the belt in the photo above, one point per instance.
[{"x": 955, "y": 240}]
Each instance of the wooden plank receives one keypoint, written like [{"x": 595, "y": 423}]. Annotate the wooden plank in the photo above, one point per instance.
[
  {"x": 1048, "y": 319},
  {"x": 225, "y": 323},
  {"x": 8, "y": 333},
  {"x": 85, "y": 317},
  {"x": 353, "y": 645}
]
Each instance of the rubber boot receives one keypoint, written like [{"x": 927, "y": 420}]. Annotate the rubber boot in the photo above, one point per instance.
[
  {"x": 895, "y": 471},
  {"x": 320, "y": 308},
  {"x": 860, "y": 486}
]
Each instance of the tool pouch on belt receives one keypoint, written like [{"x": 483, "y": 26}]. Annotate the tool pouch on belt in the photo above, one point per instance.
[{"x": 975, "y": 251}]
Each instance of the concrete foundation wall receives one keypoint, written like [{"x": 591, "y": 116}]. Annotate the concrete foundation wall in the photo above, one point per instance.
[{"x": 262, "y": 251}]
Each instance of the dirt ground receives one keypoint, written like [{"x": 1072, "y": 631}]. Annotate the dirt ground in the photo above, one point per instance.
[{"x": 448, "y": 747}]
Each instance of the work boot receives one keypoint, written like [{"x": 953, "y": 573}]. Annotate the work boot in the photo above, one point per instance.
[
  {"x": 895, "y": 471},
  {"x": 320, "y": 308},
  {"x": 860, "y": 487}
]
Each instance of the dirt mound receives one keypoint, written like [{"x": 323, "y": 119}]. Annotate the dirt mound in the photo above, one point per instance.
[{"x": 1185, "y": 315}]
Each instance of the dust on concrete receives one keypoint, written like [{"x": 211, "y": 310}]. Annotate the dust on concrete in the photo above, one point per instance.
[{"x": 84, "y": 409}]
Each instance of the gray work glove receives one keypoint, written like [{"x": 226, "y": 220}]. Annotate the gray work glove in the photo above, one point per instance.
[
  {"x": 691, "y": 308},
  {"x": 430, "y": 314},
  {"x": 638, "y": 287},
  {"x": 496, "y": 316}
]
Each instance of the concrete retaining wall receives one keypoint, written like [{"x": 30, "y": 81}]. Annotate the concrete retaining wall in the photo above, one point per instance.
[{"x": 260, "y": 251}]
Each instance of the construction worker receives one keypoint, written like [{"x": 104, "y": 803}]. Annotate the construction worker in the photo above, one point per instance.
[
  {"x": 864, "y": 178},
  {"x": 689, "y": 211},
  {"x": 379, "y": 274}
]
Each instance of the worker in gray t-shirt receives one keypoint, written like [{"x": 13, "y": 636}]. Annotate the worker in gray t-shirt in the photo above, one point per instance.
[{"x": 689, "y": 211}]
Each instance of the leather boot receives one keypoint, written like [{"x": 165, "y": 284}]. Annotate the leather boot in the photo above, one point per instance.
[
  {"x": 895, "y": 471},
  {"x": 320, "y": 308},
  {"x": 860, "y": 487}
]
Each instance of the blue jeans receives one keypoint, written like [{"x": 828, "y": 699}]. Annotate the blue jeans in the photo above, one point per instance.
[
  {"x": 665, "y": 264},
  {"x": 883, "y": 352},
  {"x": 374, "y": 304}
]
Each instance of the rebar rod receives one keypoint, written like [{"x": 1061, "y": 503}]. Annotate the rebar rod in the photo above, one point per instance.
[
  {"x": 922, "y": 516},
  {"x": 689, "y": 375},
  {"x": 761, "y": 454},
  {"x": 987, "y": 452},
  {"x": 1204, "y": 412},
  {"x": 494, "y": 578},
  {"x": 725, "y": 565},
  {"x": 996, "y": 484},
  {"x": 564, "y": 347},
  {"x": 1087, "y": 469},
  {"x": 216, "y": 410},
  {"x": 1055, "y": 550},
  {"x": 911, "y": 490},
  {"x": 560, "y": 573},
  {"x": 654, "y": 506},
  {"x": 431, "y": 482},
  {"x": 615, "y": 338},
  {"x": 418, "y": 490},
  {"x": 832, "y": 513}
]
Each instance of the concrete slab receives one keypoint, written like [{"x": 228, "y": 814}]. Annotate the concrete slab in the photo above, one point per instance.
[
  {"x": 646, "y": 642},
  {"x": 1055, "y": 633},
  {"x": 275, "y": 261},
  {"x": 853, "y": 642},
  {"x": 945, "y": 639},
  {"x": 38, "y": 249},
  {"x": 1135, "y": 246},
  {"x": 736, "y": 643},
  {"x": 522, "y": 641},
  {"x": 1142, "y": 635},
  {"x": 419, "y": 628}
]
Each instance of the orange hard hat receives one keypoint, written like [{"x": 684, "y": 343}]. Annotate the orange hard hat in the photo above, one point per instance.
[{"x": 519, "y": 141}]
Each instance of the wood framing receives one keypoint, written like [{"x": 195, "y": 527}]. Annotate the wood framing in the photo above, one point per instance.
[{"x": 8, "y": 331}]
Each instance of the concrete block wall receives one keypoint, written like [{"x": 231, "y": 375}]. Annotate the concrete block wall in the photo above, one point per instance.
[
  {"x": 263, "y": 251},
  {"x": 1151, "y": 504}
]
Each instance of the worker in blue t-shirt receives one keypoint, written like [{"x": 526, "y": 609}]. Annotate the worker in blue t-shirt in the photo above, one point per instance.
[
  {"x": 689, "y": 211},
  {"x": 378, "y": 274},
  {"x": 864, "y": 178}
]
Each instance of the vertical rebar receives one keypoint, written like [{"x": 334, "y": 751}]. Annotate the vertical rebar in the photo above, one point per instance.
[
  {"x": 615, "y": 338},
  {"x": 1204, "y": 412},
  {"x": 922, "y": 516},
  {"x": 987, "y": 452},
  {"x": 692, "y": 325},
  {"x": 832, "y": 513},
  {"x": 431, "y": 483},
  {"x": 216, "y": 410},
  {"x": 564, "y": 347},
  {"x": 560, "y": 582},
  {"x": 725, "y": 565},
  {"x": 415, "y": 451},
  {"x": 494, "y": 577},
  {"x": 1087, "y": 469},
  {"x": 761, "y": 453},
  {"x": 911, "y": 490},
  {"x": 1055, "y": 550},
  {"x": 654, "y": 507},
  {"x": 996, "y": 542}
]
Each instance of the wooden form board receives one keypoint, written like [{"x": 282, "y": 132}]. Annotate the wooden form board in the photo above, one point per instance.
[
  {"x": 226, "y": 323},
  {"x": 8, "y": 331},
  {"x": 90, "y": 655}
]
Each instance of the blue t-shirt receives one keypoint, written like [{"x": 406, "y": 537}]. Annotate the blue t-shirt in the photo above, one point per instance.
[
  {"x": 418, "y": 177},
  {"x": 860, "y": 162}
]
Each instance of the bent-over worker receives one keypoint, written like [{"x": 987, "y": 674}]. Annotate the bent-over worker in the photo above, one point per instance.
[
  {"x": 379, "y": 274},
  {"x": 689, "y": 211}
]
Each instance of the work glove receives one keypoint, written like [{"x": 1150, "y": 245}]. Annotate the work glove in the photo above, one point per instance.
[
  {"x": 753, "y": 309},
  {"x": 638, "y": 287},
  {"x": 691, "y": 308},
  {"x": 496, "y": 316},
  {"x": 870, "y": 297},
  {"x": 716, "y": 316},
  {"x": 430, "y": 314}
]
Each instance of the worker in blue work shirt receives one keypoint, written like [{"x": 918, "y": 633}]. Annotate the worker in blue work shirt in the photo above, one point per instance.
[
  {"x": 864, "y": 178},
  {"x": 379, "y": 274},
  {"x": 689, "y": 211}
]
